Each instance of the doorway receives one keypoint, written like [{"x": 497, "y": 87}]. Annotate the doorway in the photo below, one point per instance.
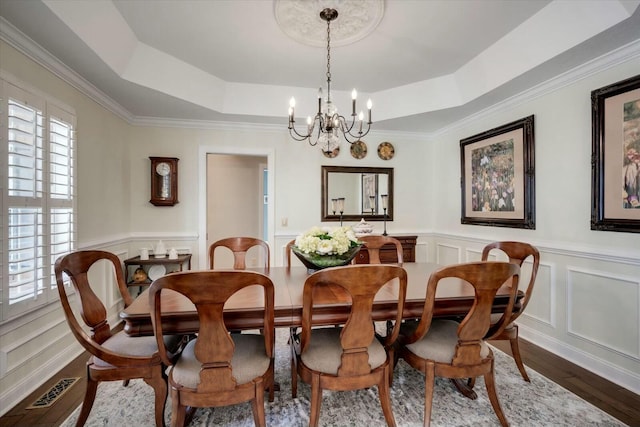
[{"x": 236, "y": 203}]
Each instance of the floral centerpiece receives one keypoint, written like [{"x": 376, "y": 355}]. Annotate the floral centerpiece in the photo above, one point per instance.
[{"x": 322, "y": 247}]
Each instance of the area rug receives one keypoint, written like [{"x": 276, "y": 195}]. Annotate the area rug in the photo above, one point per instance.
[{"x": 539, "y": 403}]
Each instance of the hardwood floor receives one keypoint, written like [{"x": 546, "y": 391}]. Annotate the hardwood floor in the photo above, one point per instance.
[{"x": 611, "y": 398}]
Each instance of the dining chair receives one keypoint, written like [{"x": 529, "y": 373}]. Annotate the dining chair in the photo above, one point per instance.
[
  {"x": 239, "y": 246},
  {"x": 449, "y": 349},
  {"x": 218, "y": 368},
  {"x": 373, "y": 244},
  {"x": 114, "y": 355},
  {"x": 517, "y": 252},
  {"x": 348, "y": 357}
]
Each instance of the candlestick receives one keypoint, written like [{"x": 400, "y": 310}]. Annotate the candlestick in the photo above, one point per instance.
[
  {"x": 385, "y": 221},
  {"x": 340, "y": 208}
]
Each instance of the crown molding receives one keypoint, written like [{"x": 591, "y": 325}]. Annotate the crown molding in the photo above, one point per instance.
[
  {"x": 32, "y": 50},
  {"x": 610, "y": 59},
  {"x": 25, "y": 45}
]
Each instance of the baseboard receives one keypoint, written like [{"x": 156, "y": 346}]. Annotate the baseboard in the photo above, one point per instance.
[
  {"x": 16, "y": 394},
  {"x": 615, "y": 374}
]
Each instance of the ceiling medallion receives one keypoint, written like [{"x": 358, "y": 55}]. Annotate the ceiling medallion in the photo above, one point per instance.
[{"x": 299, "y": 20}]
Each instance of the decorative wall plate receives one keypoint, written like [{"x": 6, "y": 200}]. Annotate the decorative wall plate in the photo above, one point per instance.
[
  {"x": 358, "y": 149},
  {"x": 386, "y": 150},
  {"x": 157, "y": 271},
  {"x": 332, "y": 154}
]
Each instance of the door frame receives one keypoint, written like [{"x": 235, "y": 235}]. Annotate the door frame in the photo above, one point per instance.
[{"x": 203, "y": 151}]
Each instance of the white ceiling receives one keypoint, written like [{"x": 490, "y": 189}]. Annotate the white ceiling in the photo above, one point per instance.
[{"x": 425, "y": 65}]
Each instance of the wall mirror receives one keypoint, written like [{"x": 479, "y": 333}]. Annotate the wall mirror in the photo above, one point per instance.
[{"x": 362, "y": 192}]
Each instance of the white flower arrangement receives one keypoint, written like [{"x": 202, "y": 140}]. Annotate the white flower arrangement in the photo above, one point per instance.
[{"x": 327, "y": 240}]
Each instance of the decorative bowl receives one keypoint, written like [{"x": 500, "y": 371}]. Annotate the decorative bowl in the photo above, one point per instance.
[
  {"x": 363, "y": 228},
  {"x": 314, "y": 261}
]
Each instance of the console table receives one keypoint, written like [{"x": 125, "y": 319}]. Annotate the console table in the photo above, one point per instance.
[
  {"x": 388, "y": 252},
  {"x": 147, "y": 264}
]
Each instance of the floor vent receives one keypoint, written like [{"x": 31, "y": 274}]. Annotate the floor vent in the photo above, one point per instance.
[{"x": 51, "y": 396}]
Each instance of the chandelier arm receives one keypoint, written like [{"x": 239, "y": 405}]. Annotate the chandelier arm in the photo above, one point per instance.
[{"x": 297, "y": 135}]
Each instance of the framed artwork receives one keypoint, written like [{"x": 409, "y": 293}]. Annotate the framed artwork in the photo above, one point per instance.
[
  {"x": 615, "y": 158},
  {"x": 498, "y": 176},
  {"x": 369, "y": 188}
]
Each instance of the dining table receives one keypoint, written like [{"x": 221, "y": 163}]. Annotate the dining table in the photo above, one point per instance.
[{"x": 245, "y": 309}]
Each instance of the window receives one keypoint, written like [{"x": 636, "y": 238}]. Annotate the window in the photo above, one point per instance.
[{"x": 38, "y": 196}]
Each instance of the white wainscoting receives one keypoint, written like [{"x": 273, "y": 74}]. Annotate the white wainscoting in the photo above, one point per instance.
[{"x": 585, "y": 306}]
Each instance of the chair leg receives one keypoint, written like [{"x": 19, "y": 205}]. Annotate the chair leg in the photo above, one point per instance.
[
  {"x": 471, "y": 382},
  {"x": 160, "y": 390},
  {"x": 316, "y": 400},
  {"x": 257, "y": 405},
  {"x": 385, "y": 398},
  {"x": 294, "y": 364},
  {"x": 391, "y": 354},
  {"x": 515, "y": 350},
  {"x": 489, "y": 381},
  {"x": 87, "y": 404},
  {"x": 429, "y": 384},
  {"x": 178, "y": 411}
]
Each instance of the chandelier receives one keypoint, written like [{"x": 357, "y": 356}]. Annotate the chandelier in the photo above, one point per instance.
[{"x": 327, "y": 125}]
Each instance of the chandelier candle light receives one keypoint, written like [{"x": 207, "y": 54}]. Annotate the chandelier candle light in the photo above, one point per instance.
[{"x": 328, "y": 122}]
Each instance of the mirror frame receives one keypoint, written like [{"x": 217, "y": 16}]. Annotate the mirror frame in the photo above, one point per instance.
[{"x": 326, "y": 215}]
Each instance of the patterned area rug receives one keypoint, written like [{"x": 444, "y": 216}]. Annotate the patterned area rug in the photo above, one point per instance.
[{"x": 540, "y": 403}]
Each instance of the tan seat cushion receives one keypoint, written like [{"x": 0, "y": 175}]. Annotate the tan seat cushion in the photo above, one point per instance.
[
  {"x": 249, "y": 361},
  {"x": 324, "y": 352},
  {"x": 125, "y": 345},
  {"x": 439, "y": 343}
]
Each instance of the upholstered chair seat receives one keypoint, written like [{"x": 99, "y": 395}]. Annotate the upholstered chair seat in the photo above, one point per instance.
[
  {"x": 324, "y": 351},
  {"x": 249, "y": 361},
  {"x": 439, "y": 344},
  {"x": 125, "y": 345}
]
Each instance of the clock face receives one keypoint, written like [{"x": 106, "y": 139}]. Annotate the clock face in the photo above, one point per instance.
[{"x": 163, "y": 169}]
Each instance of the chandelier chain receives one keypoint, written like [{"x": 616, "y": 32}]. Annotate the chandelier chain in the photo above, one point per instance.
[{"x": 328, "y": 57}]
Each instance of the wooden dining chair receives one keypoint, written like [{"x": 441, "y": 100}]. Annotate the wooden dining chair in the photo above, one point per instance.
[
  {"x": 373, "y": 244},
  {"x": 347, "y": 357},
  {"x": 239, "y": 246},
  {"x": 517, "y": 252},
  {"x": 456, "y": 350},
  {"x": 114, "y": 356},
  {"x": 218, "y": 368}
]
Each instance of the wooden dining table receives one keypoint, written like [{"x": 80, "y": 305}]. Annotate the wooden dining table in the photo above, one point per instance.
[{"x": 245, "y": 309}]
